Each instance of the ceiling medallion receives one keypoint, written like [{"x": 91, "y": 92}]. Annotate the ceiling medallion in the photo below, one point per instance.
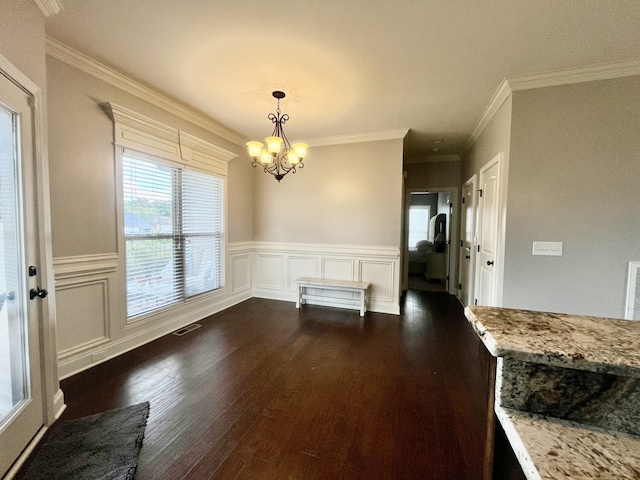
[{"x": 279, "y": 157}]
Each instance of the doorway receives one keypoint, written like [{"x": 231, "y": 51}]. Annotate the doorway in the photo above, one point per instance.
[{"x": 430, "y": 229}]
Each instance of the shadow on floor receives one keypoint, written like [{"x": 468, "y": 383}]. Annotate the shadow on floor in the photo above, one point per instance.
[{"x": 419, "y": 282}]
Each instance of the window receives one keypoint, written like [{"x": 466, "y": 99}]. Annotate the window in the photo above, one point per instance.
[
  {"x": 174, "y": 233},
  {"x": 419, "y": 216}
]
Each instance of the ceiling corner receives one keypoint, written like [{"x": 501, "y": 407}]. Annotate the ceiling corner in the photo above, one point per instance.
[{"x": 49, "y": 7}]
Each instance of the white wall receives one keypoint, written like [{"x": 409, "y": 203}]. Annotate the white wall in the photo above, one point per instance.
[{"x": 574, "y": 178}]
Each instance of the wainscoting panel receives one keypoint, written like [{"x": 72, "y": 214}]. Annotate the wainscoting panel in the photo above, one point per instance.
[
  {"x": 82, "y": 302},
  {"x": 270, "y": 272},
  {"x": 301, "y": 266},
  {"x": 91, "y": 320},
  {"x": 380, "y": 275},
  {"x": 338, "y": 269},
  {"x": 240, "y": 273},
  {"x": 88, "y": 302},
  {"x": 377, "y": 265}
]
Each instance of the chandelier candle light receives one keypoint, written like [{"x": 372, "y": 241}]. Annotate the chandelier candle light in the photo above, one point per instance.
[{"x": 279, "y": 157}]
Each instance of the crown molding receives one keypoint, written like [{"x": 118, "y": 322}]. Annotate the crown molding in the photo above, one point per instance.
[
  {"x": 49, "y": 7},
  {"x": 358, "y": 138},
  {"x": 589, "y": 73},
  {"x": 499, "y": 97},
  {"x": 82, "y": 62}
]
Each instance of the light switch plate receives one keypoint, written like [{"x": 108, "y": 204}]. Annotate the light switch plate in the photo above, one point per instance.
[{"x": 553, "y": 249}]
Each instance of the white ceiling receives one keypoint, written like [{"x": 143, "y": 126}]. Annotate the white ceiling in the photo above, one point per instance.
[{"x": 348, "y": 67}]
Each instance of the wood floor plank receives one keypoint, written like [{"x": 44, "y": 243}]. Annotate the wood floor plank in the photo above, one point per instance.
[{"x": 265, "y": 391}]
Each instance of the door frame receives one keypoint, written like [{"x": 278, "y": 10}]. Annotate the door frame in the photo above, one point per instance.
[
  {"x": 454, "y": 229},
  {"x": 53, "y": 398},
  {"x": 473, "y": 182}
]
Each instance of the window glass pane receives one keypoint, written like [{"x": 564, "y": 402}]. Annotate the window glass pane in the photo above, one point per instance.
[
  {"x": 174, "y": 233},
  {"x": 418, "y": 224},
  {"x": 151, "y": 275},
  {"x": 148, "y": 197},
  {"x": 152, "y": 270},
  {"x": 202, "y": 264},
  {"x": 203, "y": 229}
]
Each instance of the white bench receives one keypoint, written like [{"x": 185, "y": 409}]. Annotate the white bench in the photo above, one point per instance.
[{"x": 359, "y": 302}]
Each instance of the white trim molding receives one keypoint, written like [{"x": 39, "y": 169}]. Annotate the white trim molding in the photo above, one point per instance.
[
  {"x": 277, "y": 265},
  {"x": 605, "y": 71},
  {"x": 588, "y": 73},
  {"x": 78, "y": 60},
  {"x": 359, "y": 138},
  {"x": 143, "y": 134},
  {"x": 632, "y": 307},
  {"x": 499, "y": 97},
  {"x": 49, "y": 7},
  {"x": 255, "y": 269},
  {"x": 81, "y": 274}
]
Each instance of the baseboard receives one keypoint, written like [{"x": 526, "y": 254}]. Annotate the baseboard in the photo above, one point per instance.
[
  {"x": 15, "y": 468},
  {"x": 58, "y": 404},
  {"x": 86, "y": 360}
]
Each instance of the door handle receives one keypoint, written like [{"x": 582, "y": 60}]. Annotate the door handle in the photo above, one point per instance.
[
  {"x": 489, "y": 262},
  {"x": 37, "y": 292}
]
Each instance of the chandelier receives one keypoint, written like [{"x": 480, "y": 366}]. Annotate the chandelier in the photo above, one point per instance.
[{"x": 279, "y": 157}]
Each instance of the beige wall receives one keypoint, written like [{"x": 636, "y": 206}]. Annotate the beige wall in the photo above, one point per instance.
[
  {"x": 346, "y": 194},
  {"x": 83, "y": 201},
  {"x": 494, "y": 139},
  {"x": 22, "y": 38},
  {"x": 574, "y": 178},
  {"x": 432, "y": 174},
  {"x": 90, "y": 279}
]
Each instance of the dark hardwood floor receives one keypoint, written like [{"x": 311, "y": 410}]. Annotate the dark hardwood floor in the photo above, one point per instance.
[{"x": 265, "y": 391}]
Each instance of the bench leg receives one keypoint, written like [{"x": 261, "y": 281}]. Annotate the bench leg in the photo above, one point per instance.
[
  {"x": 363, "y": 302},
  {"x": 299, "y": 301}
]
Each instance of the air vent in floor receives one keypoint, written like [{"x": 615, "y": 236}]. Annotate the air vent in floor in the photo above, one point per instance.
[{"x": 187, "y": 329}]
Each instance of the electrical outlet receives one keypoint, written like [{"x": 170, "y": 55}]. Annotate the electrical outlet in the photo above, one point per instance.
[{"x": 553, "y": 249}]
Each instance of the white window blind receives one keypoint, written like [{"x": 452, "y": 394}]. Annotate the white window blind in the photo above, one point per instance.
[{"x": 174, "y": 234}]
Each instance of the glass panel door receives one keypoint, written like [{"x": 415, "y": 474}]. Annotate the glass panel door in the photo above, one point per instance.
[
  {"x": 13, "y": 342},
  {"x": 21, "y": 406}
]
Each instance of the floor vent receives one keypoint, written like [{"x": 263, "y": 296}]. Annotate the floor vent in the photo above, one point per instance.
[{"x": 187, "y": 329}]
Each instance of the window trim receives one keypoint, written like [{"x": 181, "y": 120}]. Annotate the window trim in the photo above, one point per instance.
[{"x": 144, "y": 137}]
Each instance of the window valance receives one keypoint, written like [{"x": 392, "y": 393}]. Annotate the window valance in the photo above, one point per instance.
[{"x": 148, "y": 136}]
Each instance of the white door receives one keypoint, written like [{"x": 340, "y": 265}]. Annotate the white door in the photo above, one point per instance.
[
  {"x": 487, "y": 233},
  {"x": 467, "y": 244},
  {"x": 21, "y": 399}
]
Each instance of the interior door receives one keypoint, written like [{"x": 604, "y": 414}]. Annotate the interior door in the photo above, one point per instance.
[
  {"x": 21, "y": 399},
  {"x": 487, "y": 233},
  {"x": 467, "y": 244}
]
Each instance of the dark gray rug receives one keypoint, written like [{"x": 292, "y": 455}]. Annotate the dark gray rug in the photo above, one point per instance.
[{"x": 100, "y": 447}]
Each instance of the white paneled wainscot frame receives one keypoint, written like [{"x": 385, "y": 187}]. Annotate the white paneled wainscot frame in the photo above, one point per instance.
[
  {"x": 277, "y": 265},
  {"x": 92, "y": 328}
]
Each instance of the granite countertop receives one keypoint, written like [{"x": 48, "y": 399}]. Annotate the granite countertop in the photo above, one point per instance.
[
  {"x": 549, "y": 448},
  {"x": 596, "y": 344}
]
